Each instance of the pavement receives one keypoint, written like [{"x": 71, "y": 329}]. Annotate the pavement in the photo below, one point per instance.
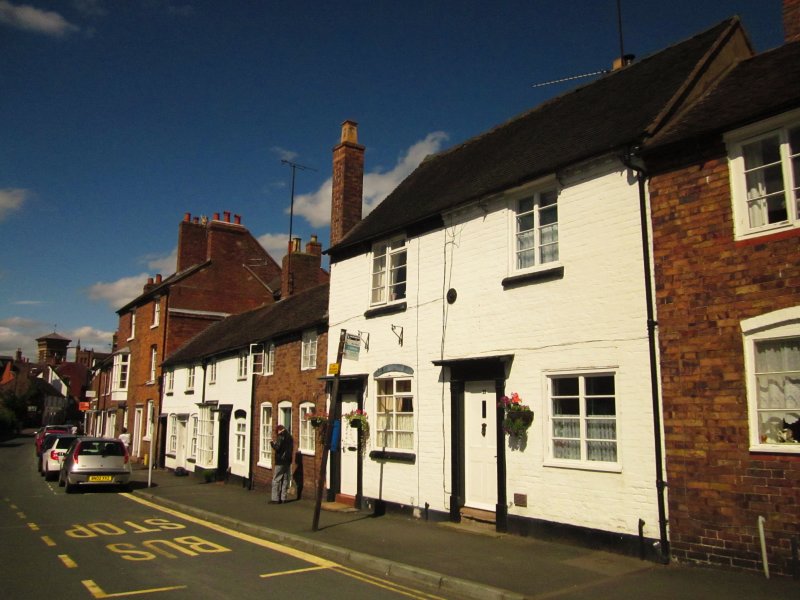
[{"x": 453, "y": 561}]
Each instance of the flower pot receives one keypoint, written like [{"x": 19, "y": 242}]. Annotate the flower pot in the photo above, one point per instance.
[
  {"x": 523, "y": 416},
  {"x": 355, "y": 424}
]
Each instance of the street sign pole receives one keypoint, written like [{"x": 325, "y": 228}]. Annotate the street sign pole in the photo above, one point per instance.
[{"x": 329, "y": 430}]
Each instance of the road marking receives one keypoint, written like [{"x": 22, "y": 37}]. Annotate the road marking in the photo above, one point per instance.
[
  {"x": 387, "y": 585},
  {"x": 68, "y": 562},
  {"x": 48, "y": 540},
  {"x": 320, "y": 563},
  {"x": 293, "y": 571},
  {"x": 97, "y": 592},
  {"x": 314, "y": 560},
  {"x": 33, "y": 526},
  {"x": 21, "y": 515}
]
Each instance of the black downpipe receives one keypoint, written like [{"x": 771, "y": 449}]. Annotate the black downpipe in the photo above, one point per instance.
[
  {"x": 641, "y": 178},
  {"x": 253, "y": 449}
]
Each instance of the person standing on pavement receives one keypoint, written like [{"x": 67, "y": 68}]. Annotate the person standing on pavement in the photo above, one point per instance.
[
  {"x": 125, "y": 438},
  {"x": 281, "y": 475}
]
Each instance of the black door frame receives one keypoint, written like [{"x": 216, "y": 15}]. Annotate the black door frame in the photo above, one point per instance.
[{"x": 491, "y": 368}]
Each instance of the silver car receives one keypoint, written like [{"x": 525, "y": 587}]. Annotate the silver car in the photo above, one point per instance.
[{"x": 93, "y": 461}]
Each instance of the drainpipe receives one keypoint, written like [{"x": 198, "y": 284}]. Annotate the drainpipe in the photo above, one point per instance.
[
  {"x": 641, "y": 177},
  {"x": 250, "y": 467}
]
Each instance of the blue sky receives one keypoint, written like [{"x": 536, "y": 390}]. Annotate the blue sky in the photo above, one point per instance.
[{"x": 119, "y": 116}]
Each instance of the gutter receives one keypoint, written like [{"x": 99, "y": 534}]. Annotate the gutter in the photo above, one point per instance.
[{"x": 629, "y": 156}]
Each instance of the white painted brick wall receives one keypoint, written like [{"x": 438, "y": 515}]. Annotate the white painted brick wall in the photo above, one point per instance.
[{"x": 592, "y": 318}]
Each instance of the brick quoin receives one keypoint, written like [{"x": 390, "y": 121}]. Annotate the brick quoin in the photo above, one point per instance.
[{"x": 706, "y": 284}]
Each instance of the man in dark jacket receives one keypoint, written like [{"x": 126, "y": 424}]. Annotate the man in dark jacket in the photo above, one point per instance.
[{"x": 282, "y": 445}]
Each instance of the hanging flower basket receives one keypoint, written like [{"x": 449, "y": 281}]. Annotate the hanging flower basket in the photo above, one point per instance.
[
  {"x": 518, "y": 418},
  {"x": 317, "y": 419},
  {"x": 357, "y": 419}
]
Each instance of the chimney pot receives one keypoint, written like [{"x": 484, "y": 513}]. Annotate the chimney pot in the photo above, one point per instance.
[
  {"x": 149, "y": 281},
  {"x": 187, "y": 217},
  {"x": 196, "y": 220},
  {"x": 349, "y": 132},
  {"x": 227, "y": 214},
  {"x": 237, "y": 219},
  {"x": 158, "y": 277},
  {"x": 216, "y": 216}
]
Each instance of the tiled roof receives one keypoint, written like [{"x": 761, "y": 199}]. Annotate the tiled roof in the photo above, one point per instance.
[
  {"x": 759, "y": 87},
  {"x": 296, "y": 313},
  {"x": 596, "y": 118},
  {"x": 159, "y": 288}
]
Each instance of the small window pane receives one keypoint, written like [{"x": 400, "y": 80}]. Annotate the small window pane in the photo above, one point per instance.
[
  {"x": 565, "y": 386},
  {"x": 597, "y": 386},
  {"x": 566, "y": 406}
]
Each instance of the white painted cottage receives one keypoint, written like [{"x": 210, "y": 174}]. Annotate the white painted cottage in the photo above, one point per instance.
[{"x": 516, "y": 262}]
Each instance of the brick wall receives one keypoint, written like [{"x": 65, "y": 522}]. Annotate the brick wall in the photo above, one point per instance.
[
  {"x": 288, "y": 382},
  {"x": 706, "y": 285}
]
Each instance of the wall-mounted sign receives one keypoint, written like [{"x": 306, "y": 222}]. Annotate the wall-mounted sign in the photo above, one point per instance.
[
  {"x": 352, "y": 346},
  {"x": 333, "y": 369}
]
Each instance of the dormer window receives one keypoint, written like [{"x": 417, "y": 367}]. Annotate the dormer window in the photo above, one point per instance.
[{"x": 388, "y": 271}]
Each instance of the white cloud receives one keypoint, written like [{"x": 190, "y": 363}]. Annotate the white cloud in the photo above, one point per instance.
[
  {"x": 275, "y": 243},
  {"x": 11, "y": 200},
  {"x": 285, "y": 154},
  {"x": 91, "y": 338},
  {"x": 165, "y": 265},
  {"x": 316, "y": 206},
  {"x": 29, "y": 18},
  {"x": 120, "y": 292},
  {"x": 29, "y": 302}
]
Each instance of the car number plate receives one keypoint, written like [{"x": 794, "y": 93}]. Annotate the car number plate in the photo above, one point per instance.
[{"x": 100, "y": 478}]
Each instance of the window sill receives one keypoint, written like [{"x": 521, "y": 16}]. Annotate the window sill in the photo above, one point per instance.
[
  {"x": 264, "y": 465},
  {"x": 540, "y": 275},
  {"x": 169, "y": 393},
  {"x": 389, "y": 309},
  {"x": 787, "y": 448},
  {"x": 772, "y": 234},
  {"x": 154, "y": 326},
  {"x": 393, "y": 456},
  {"x": 170, "y": 455},
  {"x": 584, "y": 466},
  {"x": 306, "y": 452}
]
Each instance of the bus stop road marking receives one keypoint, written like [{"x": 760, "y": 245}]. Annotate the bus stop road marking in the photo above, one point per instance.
[{"x": 97, "y": 592}]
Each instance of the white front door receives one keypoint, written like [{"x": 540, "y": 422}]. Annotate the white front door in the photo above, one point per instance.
[
  {"x": 349, "y": 444},
  {"x": 480, "y": 422},
  {"x": 137, "y": 432},
  {"x": 180, "y": 442}
]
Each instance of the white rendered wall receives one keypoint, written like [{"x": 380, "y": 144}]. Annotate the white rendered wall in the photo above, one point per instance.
[{"x": 592, "y": 318}]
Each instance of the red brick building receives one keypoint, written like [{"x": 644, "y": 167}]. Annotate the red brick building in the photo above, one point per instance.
[
  {"x": 725, "y": 213},
  {"x": 221, "y": 270}
]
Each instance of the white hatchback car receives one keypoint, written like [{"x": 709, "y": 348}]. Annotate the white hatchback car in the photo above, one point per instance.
[
  {"x": 53, "y": 453},
  {"x": 93, "y": 461}
]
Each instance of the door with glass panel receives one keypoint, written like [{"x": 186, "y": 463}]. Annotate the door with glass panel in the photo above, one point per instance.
[{"x": 480, "y": 453}]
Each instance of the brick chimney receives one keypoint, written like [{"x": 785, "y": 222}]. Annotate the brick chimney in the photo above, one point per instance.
[
  {"x": 791, "y": 20},
  {"x": 348, "y": 182},
  {"x": 301, "y": 270},
  {"x": 192, "y": 243}
]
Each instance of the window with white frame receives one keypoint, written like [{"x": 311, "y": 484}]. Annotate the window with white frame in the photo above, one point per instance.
[
  {"x": 269, "y": 365},
  {"x": 241, "y": 366},
  {"x": 309, "y": 350},
  {"x": 772, "y": 366},
  {"x": 133, "y": 324},
  {"x": 765, "y": 177},
  {"x": 285, "y": 414},
  {"x": 190, "y": 378},
  {"x": 257, "y": 358},
  {"x": 536, "y": 229},
  {"x": 265, "y": 450},
  {"x": 388, "y": 271},
  {"x": 193, "y": 429},
  {"x": 156, "y": 312},
  {"x": 212, "y": 372},
  {"x": 173, "y": 434},
  {"x": 395, "y": 414},
  {"x": 205, "y": 436},
  {"x": 307, "y": 432},
  {"x": 241, "y": 439},
  {"x": 170, "y": 385},
  {"x": 583, "y": 418},
  {"x": 121, "y": 362},
  {"x": 153, "y": 362}
]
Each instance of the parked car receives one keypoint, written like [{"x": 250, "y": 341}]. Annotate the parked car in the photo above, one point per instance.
[
  {"x": 53, "y": 450},
  {"x": 41, "y": 433},
  {"x": 91, "y": 461}
]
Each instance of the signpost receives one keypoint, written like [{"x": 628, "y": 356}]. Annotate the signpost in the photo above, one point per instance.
[{"x": 334, "y": 369}]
